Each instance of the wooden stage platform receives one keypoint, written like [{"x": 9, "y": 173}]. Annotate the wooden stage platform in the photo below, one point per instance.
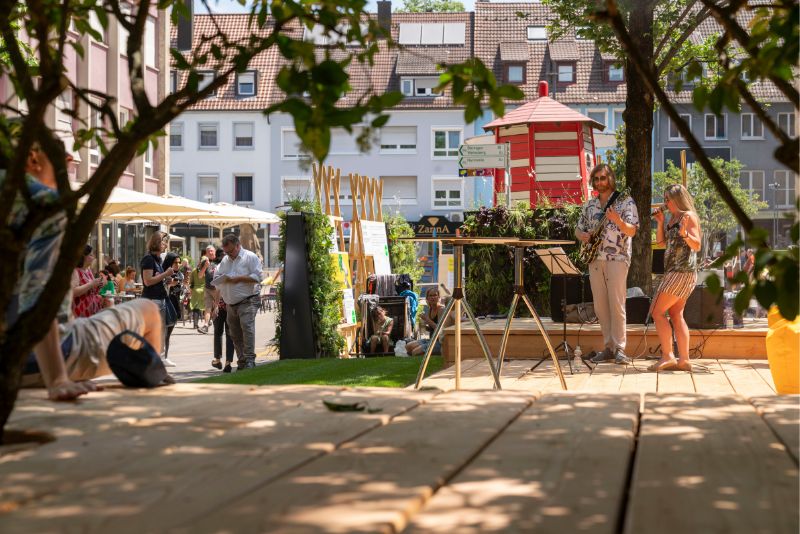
[
  {"x": 607, "y": 458},
  {"x": 525, "y": 342}
]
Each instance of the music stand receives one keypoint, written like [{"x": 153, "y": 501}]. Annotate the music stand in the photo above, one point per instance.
[{"x": 558, "y": 263}]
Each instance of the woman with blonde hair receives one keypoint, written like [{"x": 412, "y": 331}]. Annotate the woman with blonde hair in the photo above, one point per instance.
[
  {"x": 682, "y": 237},
  {"x": 156, "y": 280}
]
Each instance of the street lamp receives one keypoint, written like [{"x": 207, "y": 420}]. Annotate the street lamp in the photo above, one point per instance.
[{"x": 774, "y": 186}]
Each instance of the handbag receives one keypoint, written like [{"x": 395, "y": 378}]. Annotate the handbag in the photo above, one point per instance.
[{"x": 171, "y": 313}]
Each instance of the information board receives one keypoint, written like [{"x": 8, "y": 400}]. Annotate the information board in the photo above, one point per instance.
[{"x": 376, "y": 245}]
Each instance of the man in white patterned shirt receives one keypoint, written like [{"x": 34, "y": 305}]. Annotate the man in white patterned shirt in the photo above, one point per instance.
[
  {"x": 608, "y": 273},
  {"x": 238, "y": 279}
]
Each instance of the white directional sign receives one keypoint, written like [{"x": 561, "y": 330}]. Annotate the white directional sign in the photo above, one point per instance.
[
  {"x": 481, "y": 162},
  {"x": 482, "y": 156},
  {"x": 482, "y": 150}
]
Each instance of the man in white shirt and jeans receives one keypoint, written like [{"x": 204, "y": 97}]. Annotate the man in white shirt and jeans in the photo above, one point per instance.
[{"x": 238, "y": 279}]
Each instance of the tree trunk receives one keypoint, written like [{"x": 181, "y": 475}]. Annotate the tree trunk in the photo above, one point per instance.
[{"x": 639, "y": 108}]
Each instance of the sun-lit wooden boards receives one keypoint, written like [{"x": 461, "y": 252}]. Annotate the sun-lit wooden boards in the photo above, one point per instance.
[{"x": 215, "y": 458}]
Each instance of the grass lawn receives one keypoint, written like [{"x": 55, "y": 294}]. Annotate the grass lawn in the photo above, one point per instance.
[{"x": 388, "y": 372}]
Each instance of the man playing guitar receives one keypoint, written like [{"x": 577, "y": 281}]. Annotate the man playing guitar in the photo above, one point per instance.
[{"x": 612, "y": 219}]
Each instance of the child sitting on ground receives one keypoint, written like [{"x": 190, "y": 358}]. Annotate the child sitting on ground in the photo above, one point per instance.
[{"x": 381, "y": 328}]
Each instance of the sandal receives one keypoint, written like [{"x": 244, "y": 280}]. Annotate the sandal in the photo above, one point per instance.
[
  {"x": 663, "y": 365},
  {"x": 685, "y": 366}
]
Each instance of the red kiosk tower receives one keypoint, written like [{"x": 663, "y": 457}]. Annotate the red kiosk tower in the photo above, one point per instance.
[{"x": 552, "y": 151}]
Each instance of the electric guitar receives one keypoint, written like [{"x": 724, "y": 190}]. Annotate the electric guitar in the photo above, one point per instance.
[{"x": 589, "y": 250}]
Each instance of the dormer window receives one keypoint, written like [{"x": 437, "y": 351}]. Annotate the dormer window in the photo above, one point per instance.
[
  {"x": 419, "y": 87},
  {"x": 515, "y": 73},
  {"x": 614, "y": 73},
  {"x": 566, "y": 73},
  {"x": 204, "y": 79},
  {"x": 246, "y": 83}
]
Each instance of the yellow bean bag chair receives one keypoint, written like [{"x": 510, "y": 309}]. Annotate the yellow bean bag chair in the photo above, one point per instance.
[{"x": 783, "y": 352}]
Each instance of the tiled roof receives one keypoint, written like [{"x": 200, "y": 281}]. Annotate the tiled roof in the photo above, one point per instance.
[
  {"x": 516, "y": 51},
  {"x": 564, "y": 50},
  {"x": 412, "y": 61},
  {"x": 543, "y": 109},
  {"x": 510, "y": 20}
]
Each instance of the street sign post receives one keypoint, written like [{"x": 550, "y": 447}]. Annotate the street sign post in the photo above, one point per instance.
[{"x": 494, "y": 156}]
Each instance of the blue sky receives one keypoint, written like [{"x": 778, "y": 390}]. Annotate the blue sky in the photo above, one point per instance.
[{"x": 232, "y": 6}]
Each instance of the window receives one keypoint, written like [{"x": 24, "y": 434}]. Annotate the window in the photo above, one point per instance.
[
  {"x": 447, "y": 192},
  {"x": 674, "y": 134},
  {"x": 148, "y": 161},
  {"x": 785, "y": 185},
  {"x": 243, "y": 135},
  {"x": 399, "y": 190},
  {"x": 537, "y": 33},
  {"x": 716, "y": 126},
  {"x": 614, "y": 73},
  {"x": 419, "y": 86},
  {"x": 752, "y": 127},
  {"x": 176, "y": 136},
  {"x": 246, "y": 83},
  {"x": 122, "y": 33},
  {"x": 176, "y": 185},
  {"x": 291, "y": 147},
  {"x": 598, "y": 115},
  {"x": 566, "y": 73},
  {"x": 295, "y": 187},
  {"x": 786, "y": 122},
  {"x": 150, "y": 41},
  {"x": 173, "y": 81},
  {"x": 64, "y": 110},
  {"x": 446, "y": 143},
  {"x": 618, "y": 120},
  {"x": 515, "y": 73},
  {"x": 209, "y": 138},
  {"x": 205, "y": 77},
  {"x": 96, "y": 25},
  {"x": 753, "y": 182},
  {"x": 407, "y": 87},
  {"x": 344, "y": 142},
  {"x": 399, "y": 140},
  {"x": 207, "y": 188},
  {"x": 95, "y": 121},
  {"x": 583, "y": 33},
  {"x": 243, "y": 188}
]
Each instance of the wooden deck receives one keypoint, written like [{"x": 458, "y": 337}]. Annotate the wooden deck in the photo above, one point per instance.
[
  {"x": 526, "y": 342},
  {"x": 625, "y": 452}
]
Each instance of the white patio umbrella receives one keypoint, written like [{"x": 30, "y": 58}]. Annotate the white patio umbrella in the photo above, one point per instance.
[
  {"x": 127, "y": 205},
  {"x": 227, "y": 215}
]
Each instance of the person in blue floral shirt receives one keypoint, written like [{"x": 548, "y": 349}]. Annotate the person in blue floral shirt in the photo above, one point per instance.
[{"x": 73, "y": 351}]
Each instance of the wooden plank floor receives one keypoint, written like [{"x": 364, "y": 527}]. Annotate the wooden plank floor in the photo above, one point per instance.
[
  {"x": 710, "y": 376},
  {"x": 612, "y": 455}
]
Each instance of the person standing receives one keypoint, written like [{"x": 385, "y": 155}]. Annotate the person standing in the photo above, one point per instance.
[
  {"x": 238, "y": 279},
  {"x": 682, "y": 237},
  {"x": 197, "y": 285},
  {"x": 220, "y": 327},
  {"x": 156, "y": 280},
  {"x": 210, "y": 292},
  {"x": 608, "y": 272},
  {"x": 173, "y": 294}
]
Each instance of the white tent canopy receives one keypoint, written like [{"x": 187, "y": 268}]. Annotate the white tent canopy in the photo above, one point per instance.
[{"x": 126, "y": 204}]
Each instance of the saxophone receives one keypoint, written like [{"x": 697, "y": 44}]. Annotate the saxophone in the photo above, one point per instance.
[{"x": 590, "y": 249}]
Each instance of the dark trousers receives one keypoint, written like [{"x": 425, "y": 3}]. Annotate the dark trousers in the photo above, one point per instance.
[
  {"x": 219, "y": 326},
  {"x": 177, "y": 304}
]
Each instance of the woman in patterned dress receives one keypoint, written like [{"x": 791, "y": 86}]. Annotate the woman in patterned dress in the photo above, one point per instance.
[
  {"x": 86, "y": 299},
  {"x": 682, "y": 237}
]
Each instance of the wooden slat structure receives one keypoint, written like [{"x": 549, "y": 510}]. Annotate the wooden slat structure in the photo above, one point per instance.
[{"x": 218, "y": 458}]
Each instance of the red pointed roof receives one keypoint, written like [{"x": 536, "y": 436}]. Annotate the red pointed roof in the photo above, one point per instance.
[{"x": 543, "y": 109}]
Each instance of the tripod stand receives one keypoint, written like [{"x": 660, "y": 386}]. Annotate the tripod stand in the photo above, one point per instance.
[{"x": 557, "y": 262}]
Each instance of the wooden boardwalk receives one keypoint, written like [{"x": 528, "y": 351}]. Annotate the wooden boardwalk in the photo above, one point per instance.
[{"x": 625, "y": 452}]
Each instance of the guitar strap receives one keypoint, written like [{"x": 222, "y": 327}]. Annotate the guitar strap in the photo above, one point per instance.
[{"x": 611, "y": 200}]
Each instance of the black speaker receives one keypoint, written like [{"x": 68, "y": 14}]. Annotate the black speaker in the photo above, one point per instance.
[
  {"x": 578, "y": 290},
  {"x": 636, "y": 309},
  {"x": 703, "y": 310}
]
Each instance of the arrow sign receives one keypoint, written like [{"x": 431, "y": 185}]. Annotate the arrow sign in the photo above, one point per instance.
[
  {"x": 481, "y": 162},
  {"x": 482, "y": 150}
]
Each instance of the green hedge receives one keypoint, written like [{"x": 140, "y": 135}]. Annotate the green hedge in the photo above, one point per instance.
[{"x": 490, "y": 269}]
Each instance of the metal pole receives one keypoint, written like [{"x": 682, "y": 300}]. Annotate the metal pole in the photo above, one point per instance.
[
  {"x": 457, "y": 294},
  {"x": 508, "y": 174}
]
